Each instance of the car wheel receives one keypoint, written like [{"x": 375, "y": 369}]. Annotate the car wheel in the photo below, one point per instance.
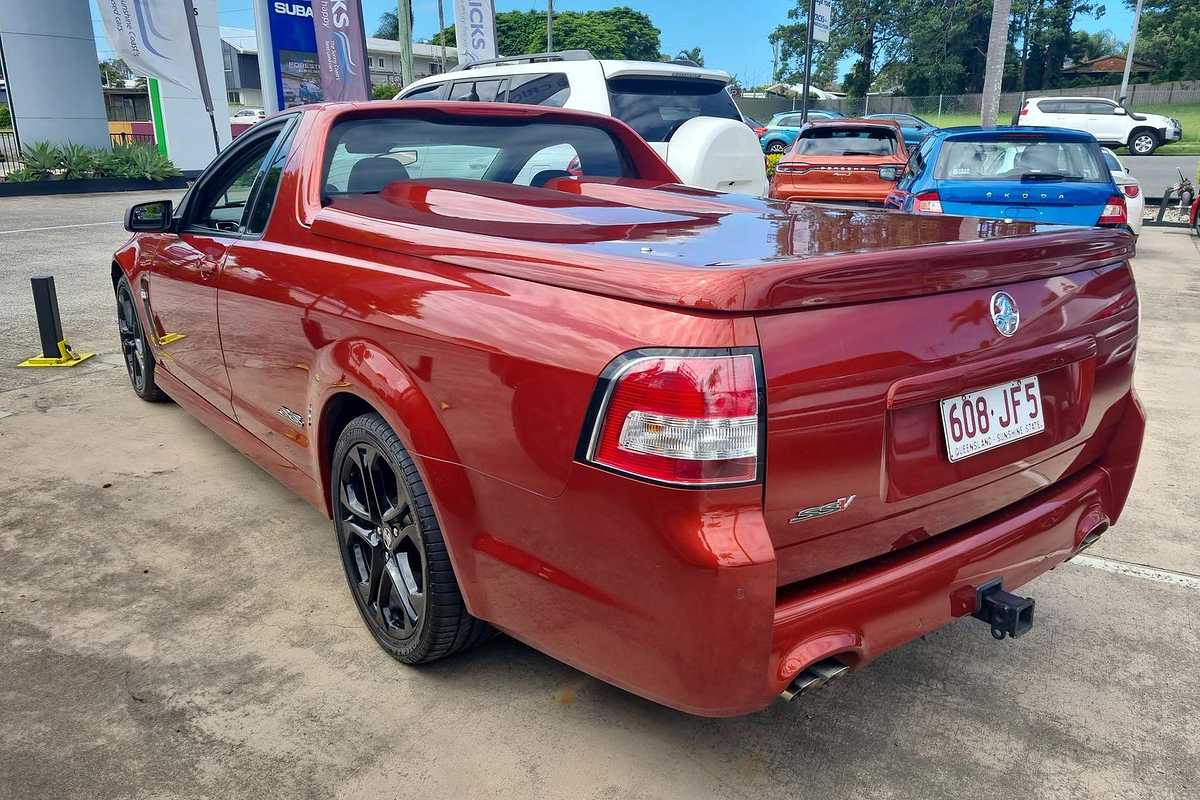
[
  {"x": 139, "y": 361},
  {"x": 392, "y": 550},
  {"x": 1143, "y": 143},
  {"x": 776, "y": 147}
]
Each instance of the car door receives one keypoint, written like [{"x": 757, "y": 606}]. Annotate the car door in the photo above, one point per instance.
[
  {"x": 268, "y": 334},
  {"x": 1104, "y": 123},
  {"x": 180, "y": 288}
]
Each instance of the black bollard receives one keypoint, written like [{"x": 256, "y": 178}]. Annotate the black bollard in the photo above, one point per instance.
[{"x": 45, "y": 303}]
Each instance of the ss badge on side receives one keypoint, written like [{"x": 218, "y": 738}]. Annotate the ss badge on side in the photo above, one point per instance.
[{"x": 823, "y": 510}]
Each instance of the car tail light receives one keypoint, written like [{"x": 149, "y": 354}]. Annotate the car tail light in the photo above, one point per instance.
[
  {"x": 1025, "y": 108},
  {"x": 792, "y": 167},
  {"x": 1114, "y": 212},
  {"x": 688, "y": 417},
  {"x": 1131, "y": 189},
  {"x": 760, "y": 132},
  {"x": 927, "y": 203}
]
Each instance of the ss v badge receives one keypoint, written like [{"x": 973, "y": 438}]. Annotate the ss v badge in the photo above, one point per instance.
[{"x": 823, "y": 510}]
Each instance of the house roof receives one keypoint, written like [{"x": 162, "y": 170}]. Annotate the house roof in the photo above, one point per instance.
[{"x": 1107, "y": 64}]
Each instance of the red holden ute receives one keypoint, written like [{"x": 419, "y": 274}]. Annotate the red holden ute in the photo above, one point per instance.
[
  {"x": 840, "y": 160},
  {"x": 712, "y": 449}
]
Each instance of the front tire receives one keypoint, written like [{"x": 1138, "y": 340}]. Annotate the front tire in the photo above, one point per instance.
[
  {"x": 139, "y": 360},
  {"x": 1143, "y": 143},
  {"x": 392, "y": 549}
]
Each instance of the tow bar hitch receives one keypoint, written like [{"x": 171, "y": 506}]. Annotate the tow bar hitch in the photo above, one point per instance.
[{"x": 1008, "y": 614}]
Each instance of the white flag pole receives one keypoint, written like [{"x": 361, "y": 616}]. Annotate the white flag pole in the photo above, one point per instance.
[{"x": 189, "y": 11}]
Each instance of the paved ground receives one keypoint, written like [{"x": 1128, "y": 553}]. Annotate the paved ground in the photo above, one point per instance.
[
  {"x": 173, "y": 623},
  {"x": 1156, "y": 173}
]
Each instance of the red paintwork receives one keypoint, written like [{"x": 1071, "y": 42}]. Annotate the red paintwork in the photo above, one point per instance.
[
  {"x": 476, "y": 317},
  {"x": 839, "y": 178}
]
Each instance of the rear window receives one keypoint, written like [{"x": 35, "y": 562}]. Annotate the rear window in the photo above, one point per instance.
[
  {"x": 846, "y": 142},
  {"x": 1020, "y": 160},
  {"x": 656, "y": 107},
  {"x": 365, "y": 155}
]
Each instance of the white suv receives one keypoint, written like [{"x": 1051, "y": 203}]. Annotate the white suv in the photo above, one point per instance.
[
  {"x": 1108, "y": 121},
  {"x": 684, "y": 112}
]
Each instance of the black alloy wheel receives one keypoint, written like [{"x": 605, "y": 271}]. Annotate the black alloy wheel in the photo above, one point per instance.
[
  {"x": 392, "y": 549},
  {"x": 139, "y": 361}
]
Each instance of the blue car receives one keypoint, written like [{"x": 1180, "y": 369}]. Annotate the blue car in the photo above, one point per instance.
[
  {"x": 1049, "y": 175},
  {"x": 914, "y": 128},
  {"x": 783, "y": 128}
]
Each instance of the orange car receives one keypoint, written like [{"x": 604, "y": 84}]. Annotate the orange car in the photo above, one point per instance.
[{"x": 840, "y": 160}]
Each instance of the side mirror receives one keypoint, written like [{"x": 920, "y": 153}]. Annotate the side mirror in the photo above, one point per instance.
[
  {"x": 152, "y": 217},
  {"x": 889, "y": 174},
  {"x": 1119, "y": 110}
]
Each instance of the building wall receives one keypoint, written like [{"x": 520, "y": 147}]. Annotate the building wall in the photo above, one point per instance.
[{"x": 52, "y": 74}]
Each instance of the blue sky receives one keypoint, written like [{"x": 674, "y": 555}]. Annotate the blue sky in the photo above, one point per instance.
[{"x": 733, "y": 40}]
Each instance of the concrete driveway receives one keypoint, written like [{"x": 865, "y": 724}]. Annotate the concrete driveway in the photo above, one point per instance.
[{"x": 174, "y": 624}]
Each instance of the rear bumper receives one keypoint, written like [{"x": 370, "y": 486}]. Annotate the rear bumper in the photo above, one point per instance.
[{"x": 673, "y": 595}]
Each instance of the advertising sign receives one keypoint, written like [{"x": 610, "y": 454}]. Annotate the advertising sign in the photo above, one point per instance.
[
  {"x": 341, "y": 49},
  {"x": 475, "y": 30},
  {"x": 822, "y": 12},
  {"x": 294, "y": 53},
  {"x": 152, "y": 37}
]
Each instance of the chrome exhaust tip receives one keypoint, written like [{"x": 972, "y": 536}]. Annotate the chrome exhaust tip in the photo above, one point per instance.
[{"x": 814, "y": 677}]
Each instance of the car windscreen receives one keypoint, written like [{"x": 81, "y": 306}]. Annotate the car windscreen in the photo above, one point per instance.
[
  {"x": 364, "y": 155},
  {"x": 656, "y": 107},
  {"x": 846, "y": 142},
  {"x": 1017, "y": 160}
]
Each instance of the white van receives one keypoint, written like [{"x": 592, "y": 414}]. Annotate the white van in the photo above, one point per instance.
[{"x": 684, "y": 112}]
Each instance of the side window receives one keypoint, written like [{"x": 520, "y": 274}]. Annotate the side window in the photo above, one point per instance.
[
  {"x": 488, "y": 91},
  {"x": 790, "y": 121},
  {"x": 1099, "y": 108},
  {"x": 544, "y": 89},
  {"x": 223, "y": 196},
  {"x": 1074, "y": 107},
  {"x": 264, "y": 201},
  {"x": 1050, "y": 107},
  {"x": 431, "y": 92}
]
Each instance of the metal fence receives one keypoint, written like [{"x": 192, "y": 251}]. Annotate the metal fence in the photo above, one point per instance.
[
  {"x": 933, "y": 107},
  {"x": 10, "y": 153},
  {"x": 131, "y": 138}
]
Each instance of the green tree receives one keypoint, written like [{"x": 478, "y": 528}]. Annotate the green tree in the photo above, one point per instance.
[
  {"x": 617, "y": 32},
  {"x": 1169, "y": 36},
  {"x": 114, "y": 72},
  {"x": 692, "y": 54}
]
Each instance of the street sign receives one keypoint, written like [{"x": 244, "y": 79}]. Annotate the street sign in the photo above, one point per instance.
[{"x": 822, "y": 11}]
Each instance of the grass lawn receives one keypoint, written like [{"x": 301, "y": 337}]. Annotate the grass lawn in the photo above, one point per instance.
[{"x": 1188, "y": 116}]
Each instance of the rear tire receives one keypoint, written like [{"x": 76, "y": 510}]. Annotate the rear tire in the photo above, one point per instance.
[
  {"x": 776, "y": 147},
  {"x": 139, "y": 360},
  {"x": 1143, "y": 142},
  {"x": 392, "y": 549}
]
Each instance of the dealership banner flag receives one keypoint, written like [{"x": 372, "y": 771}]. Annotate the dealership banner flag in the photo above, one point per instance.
[
  {"x": 341, "y": 49},
  {"x": 475, "y": 30},
  {"x": 152, "y": 37}
]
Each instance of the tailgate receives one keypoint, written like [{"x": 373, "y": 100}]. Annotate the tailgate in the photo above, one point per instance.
[{"x": 853, "y": 409}]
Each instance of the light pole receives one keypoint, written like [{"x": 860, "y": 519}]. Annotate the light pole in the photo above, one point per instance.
[
  {"x": 404, "y": 35},
  {"x": 1137, "y": 17},
  {"x": 549, "y": 26},
  {"x": 993, "y": 75},
  {"x": 812, "y": 7},
  {"x": 442, "y": 33}
]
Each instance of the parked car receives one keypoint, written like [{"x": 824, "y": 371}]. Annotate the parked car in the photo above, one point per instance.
[
  {"x": 247, "y": 116},
  {"x": 1135, "y": 201},
  {"x": 915, "y": 129},
  {"x": 840, "y": 160},
  {"x": 706, "y": 447},
  {"x": 1108, "y": 121},
  {"x": 1049, "y": 175},
  {"x": 684, "y": 112},
  {"x": 783, "y": 128}
]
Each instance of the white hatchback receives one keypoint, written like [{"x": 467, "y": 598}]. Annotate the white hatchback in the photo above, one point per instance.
[
  {"x": 684, "y": 112},
  {"x": 1111, "y": 123},
  {"x": 1135, "y": 200}
]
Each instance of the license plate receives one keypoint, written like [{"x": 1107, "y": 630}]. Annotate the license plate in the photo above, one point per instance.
[{"x": 978, "y": 421}]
